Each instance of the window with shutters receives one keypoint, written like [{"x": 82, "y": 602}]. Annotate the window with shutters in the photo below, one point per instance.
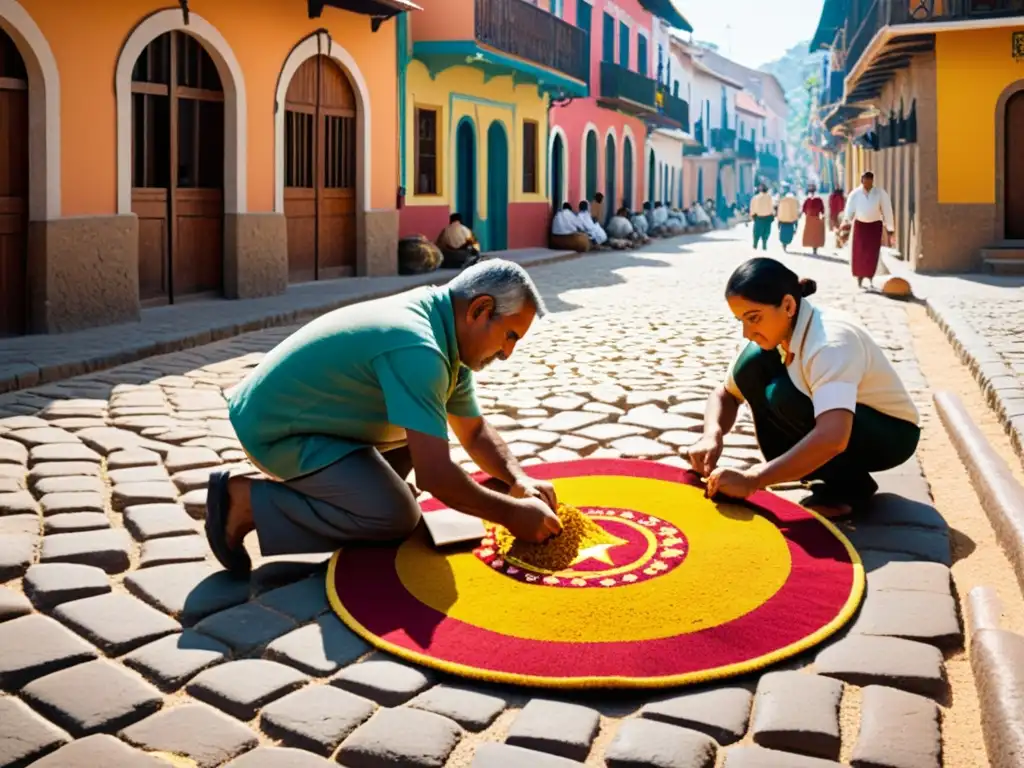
[
  {"x": 426, "y": 152},
  {"x": 530, "y": 130}
]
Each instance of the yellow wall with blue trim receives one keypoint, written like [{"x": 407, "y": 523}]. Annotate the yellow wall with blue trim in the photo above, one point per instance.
[
  {"x": 973, "y": 68},
  {"x": 461, "y": 92}
]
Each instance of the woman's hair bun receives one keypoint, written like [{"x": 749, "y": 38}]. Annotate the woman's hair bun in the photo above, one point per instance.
[{"x": 807, "y": 286}]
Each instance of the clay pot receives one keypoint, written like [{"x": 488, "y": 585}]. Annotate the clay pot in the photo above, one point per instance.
[{"x": 897, "y": 288}]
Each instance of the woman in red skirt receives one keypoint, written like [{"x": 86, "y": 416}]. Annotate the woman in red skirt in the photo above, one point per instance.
[
  {"x": 814, "y": 220},
  {"x": 869, "y": 209}
]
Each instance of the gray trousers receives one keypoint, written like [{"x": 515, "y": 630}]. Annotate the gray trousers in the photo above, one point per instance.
[{"x": 363, "y": 497}]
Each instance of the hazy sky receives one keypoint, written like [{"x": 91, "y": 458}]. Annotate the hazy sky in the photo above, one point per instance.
[{"x": 752, "y": 32}]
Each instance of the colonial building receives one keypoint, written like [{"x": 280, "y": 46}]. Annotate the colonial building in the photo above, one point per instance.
[
  {"x": 666, "y": 176},
  {"x": 715, "y": 102},
  {"x": 153, "y": 152},
  {"x": 477, "y": 78},
  {"x": 600, "y": 139},
  {"x": 932, "y": 100}
]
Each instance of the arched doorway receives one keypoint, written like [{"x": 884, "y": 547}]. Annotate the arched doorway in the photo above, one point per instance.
[
  {"x": 652, "y": 176},
  {"x": 14, "y": 182},
  {"x": 609, "y": 176},
  {"x": 497, "y": 187},
  {"x": 465, "y": 172},
  {"x": 320, "y": 172},
  {"x": 557, "y": 180},
  {"x": 591, "y": 185},
  {"x": 1013, "y": 206},
  {"x": 627, "y": 173},
  {"x": 178, "y": 169}
]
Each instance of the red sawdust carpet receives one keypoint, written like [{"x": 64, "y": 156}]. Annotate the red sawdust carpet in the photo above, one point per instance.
[{"x": 672, "y": 589}]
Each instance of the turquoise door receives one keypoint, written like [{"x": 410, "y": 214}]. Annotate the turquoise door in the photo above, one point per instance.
[
  {"x": 465, "y": 172},
  {"x": 700, "y": 185},
  {"x": 623, "y": 45},
  {"x": 497, "y": 187},
  {"x": 592, "y": 166},
  {"x": 609, "y": 176},
  {"x": 627, "y": 173},
  {"x": 608, "y": 38},
  {"x": 664, "y": 184},
  {"x": 583, "y": 11},
  {"x": 641, "y": 55},
  {"x": 652, "y": 175},
  {"x": 557, "y": 182}
]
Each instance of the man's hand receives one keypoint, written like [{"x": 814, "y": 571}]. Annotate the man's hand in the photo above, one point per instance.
[
  {"x": 704, "y": 454},
  {"x": 533, "y": 520},
  {"x": 737, "y": 483},
  {"x": 527, "y": 487}
]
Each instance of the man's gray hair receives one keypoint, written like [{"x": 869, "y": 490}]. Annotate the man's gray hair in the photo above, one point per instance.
[{"x": 505, "y": 281}]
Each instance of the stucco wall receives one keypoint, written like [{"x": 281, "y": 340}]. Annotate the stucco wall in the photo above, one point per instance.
[{"x": 86, "y": 39}]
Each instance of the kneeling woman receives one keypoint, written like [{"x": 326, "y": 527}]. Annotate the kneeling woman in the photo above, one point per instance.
[{"x": 827, "y": 404}]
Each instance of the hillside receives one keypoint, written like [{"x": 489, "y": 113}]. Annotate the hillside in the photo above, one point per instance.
[{"x": 799, "y": 72}]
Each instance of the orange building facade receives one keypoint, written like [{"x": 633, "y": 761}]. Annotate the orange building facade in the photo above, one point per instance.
[{"x": 151, "y": 153}]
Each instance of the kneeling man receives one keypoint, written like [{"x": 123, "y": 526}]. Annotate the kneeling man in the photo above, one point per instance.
[{"x": 338, "y": 414}]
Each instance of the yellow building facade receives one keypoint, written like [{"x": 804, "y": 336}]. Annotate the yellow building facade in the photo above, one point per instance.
[{"x": 935, "y": 108}]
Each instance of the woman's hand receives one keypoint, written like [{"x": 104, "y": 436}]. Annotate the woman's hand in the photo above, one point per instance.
[
  {"x": 737, "y": 483},
  {"x": 704, "y": 454}
]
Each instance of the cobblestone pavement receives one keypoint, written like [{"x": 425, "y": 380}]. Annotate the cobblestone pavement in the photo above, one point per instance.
[
  {"x": 27, "y": 361},
  {"x": 983, "y": 317},
  {"x": 121, "y": 644}
]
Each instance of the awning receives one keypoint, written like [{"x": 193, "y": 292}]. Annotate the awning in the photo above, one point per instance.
[
  {"x": 833, "y": 16},
  {"x": 666, "y": 10}
]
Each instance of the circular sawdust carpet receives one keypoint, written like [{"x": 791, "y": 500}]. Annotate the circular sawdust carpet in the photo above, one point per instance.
[{"x": 666, "y": 587}]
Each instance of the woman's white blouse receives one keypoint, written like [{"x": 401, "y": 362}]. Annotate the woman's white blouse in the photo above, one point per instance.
[{"x": 837, "y": 365}]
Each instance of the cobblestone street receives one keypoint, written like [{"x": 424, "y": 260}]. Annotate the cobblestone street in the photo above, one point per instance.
[{"x": 122, "y": 644}]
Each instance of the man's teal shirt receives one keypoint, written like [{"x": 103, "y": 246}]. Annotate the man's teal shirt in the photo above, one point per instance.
[{"x": 356, "y": 377}]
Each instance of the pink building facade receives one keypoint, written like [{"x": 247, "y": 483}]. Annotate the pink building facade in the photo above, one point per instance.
[{"x": 597, "y": 143}]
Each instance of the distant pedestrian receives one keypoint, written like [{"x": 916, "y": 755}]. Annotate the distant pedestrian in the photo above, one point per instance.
[
  {"x": 814, "y": 220},
  {"x": 836, "y": 203},
  {"x": 789, "y": 215},
  {"x": 762, "y": 211},
  {"x": 869, "y": 210}
]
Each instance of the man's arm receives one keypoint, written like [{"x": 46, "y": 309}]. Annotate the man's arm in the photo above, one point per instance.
[
  {"x": 851, "y": 204},
  {"x": 439, "y": 476},
  {"x": 486, "y": 447}
]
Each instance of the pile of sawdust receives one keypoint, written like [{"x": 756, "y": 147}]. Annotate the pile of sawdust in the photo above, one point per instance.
[{"x": 558, "y": 552}]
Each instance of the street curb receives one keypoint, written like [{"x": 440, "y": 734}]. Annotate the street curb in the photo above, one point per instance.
[
  {"x": 998, "y": 383},
  {"x": 1001, "y": 496},
  {"x": 27, "y": 376},
  {"x": 997, "y": 661}
]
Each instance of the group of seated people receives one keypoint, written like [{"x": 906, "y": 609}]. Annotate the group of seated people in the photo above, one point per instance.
[{"x": 580, "y": 230}]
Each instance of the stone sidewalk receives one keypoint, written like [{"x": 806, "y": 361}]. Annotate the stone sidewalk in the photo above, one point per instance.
[
  {"x": 27, "y": 361},
  {"x": 122, "y": 643},
  {"x": 983, "y": 317}
]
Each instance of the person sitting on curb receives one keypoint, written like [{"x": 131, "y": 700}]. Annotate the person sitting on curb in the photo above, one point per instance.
[
  {"x": 621, "y": 234},
  {"x": 568, "y": 232},
  {"x": 338, "y": 414},
  {"x": 458, "y": 244},
  {"x": 594, "y": 230},
  {"x": 828, "y": 406}
]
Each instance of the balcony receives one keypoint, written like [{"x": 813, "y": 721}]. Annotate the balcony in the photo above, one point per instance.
[
  {"x": 905, "y": 14},
  {"x": 627, "y": 91},
  {"x": 505, "y": 37},
  {"x": 745, "y": 150},
  {"x": 524, "y": 30},
  {"x": 723, "y": 139},
  {"x": 695, "y": 150},
  {"x": 768, "y": 166}
]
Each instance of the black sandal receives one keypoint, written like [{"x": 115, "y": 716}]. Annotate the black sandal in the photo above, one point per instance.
[{"x": 236, "y": 560}]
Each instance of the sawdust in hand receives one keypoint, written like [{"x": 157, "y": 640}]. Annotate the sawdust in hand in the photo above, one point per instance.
[{"x": 558, "y": 552}]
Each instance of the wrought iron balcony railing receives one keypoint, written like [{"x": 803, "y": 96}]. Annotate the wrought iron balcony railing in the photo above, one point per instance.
[
  {"x": 862, "y": 28},
  {"x": 518, "y": 28},
  {"x": 621, "y": 84},
  {"x": 768, "y": 161},
  {"x": 723, "y": 139},
  {"x": 745, "y": 149}
]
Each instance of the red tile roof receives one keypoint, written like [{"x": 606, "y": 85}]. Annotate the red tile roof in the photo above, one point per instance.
[{"x": 746, "y": 103}]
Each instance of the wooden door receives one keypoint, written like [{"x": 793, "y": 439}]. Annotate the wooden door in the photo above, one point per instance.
[
  {"x": 13, "y": 189},
  {"x": 320, "y": 172},
  {"x": 178, "y": 170},
  {"x": 1013, "y": 179}
]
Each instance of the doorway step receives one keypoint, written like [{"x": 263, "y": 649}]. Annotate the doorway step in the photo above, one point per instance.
[{"x": 1003, "y": 258}]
